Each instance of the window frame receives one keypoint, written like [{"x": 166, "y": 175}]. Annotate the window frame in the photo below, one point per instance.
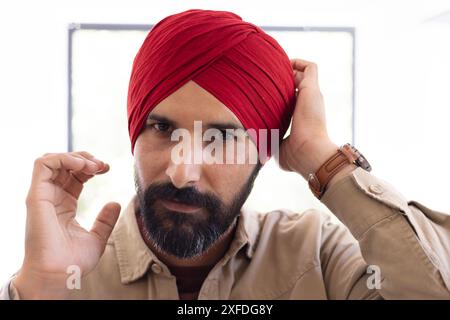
[{"x": 74, "y": 27}]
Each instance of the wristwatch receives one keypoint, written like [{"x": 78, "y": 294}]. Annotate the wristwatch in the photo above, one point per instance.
[{"x": 347, "y": 154}]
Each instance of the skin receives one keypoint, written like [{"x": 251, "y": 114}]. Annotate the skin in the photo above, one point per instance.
[
  {"x": 54, "y": 240},
  {"x": 182, "y": 108}
]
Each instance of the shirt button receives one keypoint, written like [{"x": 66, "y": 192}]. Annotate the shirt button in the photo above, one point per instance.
[
  {"x": 156, "y": 268},
  {"x": 376, "y": 189}
]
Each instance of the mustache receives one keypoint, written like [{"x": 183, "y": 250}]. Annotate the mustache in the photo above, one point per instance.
[{"x": 188, "y": 195}]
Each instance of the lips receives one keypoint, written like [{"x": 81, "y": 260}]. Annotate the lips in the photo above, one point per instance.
[{"x": 179, "y": 207}]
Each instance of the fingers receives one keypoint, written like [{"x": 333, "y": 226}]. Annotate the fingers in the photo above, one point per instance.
[
  {"x": 67, "y": 170},
  {"x": 298, "y": 64},
  {"x": 83, "y": 177},
  {"x": 105, "y": 222},
  {"x": 102, "y": 165},
  {"x": 301, "y": 65},
  {"x": 74, "y": 185},
  {"x": 306, "y": 73},
  {"x": 304, "y": 66},
  {"x": 72, "y": 182},
  {"x": 298, "y": 76},
  {"x": 51, "y": 167}
]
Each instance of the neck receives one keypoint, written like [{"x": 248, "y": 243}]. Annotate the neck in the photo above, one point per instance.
[{"x": 208, "y": 258}]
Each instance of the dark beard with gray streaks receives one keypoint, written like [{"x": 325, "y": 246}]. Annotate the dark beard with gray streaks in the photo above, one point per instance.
[{"x": 186, "y": 235}]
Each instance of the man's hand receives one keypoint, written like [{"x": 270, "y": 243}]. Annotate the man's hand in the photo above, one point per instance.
[
  {"x": 308, "y": 145},
  {"x": 54, "y": 239}
]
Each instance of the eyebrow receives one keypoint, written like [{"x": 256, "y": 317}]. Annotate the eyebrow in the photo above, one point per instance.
[
  {"x": 162, "y": 119},
  {"x": 224, "y": 126},
  {"x": 213, "y": 125}
]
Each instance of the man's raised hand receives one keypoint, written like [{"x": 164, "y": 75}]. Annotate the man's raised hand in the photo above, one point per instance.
[{"x": 54, "y": 239}]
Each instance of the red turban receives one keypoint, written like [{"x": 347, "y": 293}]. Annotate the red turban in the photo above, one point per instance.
[{"x": 235, "y": 61}]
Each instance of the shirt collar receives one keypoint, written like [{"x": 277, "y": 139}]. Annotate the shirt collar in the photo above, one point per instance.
[
  {"x": 134, "y": 256},
  {"x": 249, "y": 229}
]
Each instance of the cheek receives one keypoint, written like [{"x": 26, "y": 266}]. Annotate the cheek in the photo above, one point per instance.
[
  {"x": 228, "y": 179},
  {"x": 150, "y": 160}
]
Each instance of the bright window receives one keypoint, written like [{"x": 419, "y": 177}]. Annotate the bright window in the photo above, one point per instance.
[{"x": 100, "y": 60}]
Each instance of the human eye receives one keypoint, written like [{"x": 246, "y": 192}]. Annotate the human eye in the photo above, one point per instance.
[
  {"x": 227, "y": 134},
  {"x": 160, "y": 127}
]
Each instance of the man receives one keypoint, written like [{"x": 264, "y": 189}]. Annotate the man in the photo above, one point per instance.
[{"x": 185, "y": 234}]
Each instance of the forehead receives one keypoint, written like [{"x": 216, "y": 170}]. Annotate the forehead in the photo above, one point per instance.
[{"x": 192, "y": 103}]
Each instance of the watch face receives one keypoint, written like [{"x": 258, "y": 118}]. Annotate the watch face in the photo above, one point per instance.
[
  {"x": 360, "y": 160},
  {"x": 363, "y": 163}
]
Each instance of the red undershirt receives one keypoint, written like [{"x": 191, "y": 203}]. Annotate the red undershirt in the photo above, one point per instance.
[{"x": 190, "y": 280}]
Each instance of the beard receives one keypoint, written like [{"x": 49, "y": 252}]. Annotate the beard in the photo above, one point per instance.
[{"x": 186, "y": 235}]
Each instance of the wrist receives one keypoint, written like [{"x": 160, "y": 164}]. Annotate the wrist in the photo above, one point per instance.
[
  {"x": 31, "y": 286},
  {"x": 342, "y": 162},
  {"x": 311, "y": 155}
]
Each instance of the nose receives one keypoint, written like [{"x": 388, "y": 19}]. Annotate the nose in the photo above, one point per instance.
[{"x": 186, "y": 172}]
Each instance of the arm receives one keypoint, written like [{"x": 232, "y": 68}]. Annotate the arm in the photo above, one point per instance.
[{"x": 408, "y": 242}]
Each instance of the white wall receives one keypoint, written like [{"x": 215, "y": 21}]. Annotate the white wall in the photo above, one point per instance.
[{"x": 402, "y": 87}]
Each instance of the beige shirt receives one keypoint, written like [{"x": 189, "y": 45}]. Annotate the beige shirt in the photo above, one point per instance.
[{"x": 287, "y": 255}]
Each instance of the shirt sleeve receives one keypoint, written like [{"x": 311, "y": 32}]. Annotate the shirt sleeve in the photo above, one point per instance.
[
  {"x": 407, "y": 243},
  {"x": 8, "y": 291}
]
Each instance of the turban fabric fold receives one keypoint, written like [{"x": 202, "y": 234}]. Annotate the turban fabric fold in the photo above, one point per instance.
[{"x": 235, "y": 61}]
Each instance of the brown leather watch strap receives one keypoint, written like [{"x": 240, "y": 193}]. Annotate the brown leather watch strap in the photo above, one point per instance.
[{"x": 345, "y": 155}]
